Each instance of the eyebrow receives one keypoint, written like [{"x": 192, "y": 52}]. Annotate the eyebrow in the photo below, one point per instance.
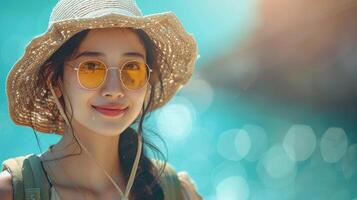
[{"x": 96, "y": 54}]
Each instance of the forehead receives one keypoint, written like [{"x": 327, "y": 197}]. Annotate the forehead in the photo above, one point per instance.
[{"x": 112, "y": 41}]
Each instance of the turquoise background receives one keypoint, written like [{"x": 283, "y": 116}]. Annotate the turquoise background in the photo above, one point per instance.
[{"x": 202, "y": 123}]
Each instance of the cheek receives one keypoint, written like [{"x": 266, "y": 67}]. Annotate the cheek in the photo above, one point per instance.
[
  {"x": 137, "y": 99},
  {"x": 140, "y": 95},
  {"x": 77, "y": 96}
]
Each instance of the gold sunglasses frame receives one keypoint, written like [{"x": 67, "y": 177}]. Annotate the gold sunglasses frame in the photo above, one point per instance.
[{"x": 76, "y": 68}]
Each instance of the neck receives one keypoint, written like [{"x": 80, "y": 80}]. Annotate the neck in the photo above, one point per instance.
[{"x": 82, "y": 169}]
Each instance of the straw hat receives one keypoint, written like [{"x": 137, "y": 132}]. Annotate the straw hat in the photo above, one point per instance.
[{"x": 175, "y": 52}]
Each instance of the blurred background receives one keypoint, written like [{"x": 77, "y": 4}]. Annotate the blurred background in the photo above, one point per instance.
[{"x": 270, "y": 110}]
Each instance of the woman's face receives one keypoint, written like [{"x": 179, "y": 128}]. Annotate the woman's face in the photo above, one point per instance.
[{"x": 114, "y": 47}]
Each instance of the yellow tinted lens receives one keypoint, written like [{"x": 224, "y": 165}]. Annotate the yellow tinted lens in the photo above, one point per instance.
[
  {"x": 91, "y": 74},
  {"x": 134, "y": 74}
]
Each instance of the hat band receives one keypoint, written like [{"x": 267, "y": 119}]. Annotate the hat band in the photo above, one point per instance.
[{"x": 108, "y": 11}]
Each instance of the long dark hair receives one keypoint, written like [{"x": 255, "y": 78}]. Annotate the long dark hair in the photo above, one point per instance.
[{"x": 146, "y": 185}]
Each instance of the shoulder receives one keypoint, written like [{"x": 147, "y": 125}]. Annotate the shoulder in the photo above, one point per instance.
[
  {"x": 179, "y": 179},
  {"x": 5, "y": 185},
  {"x": 188, "y": 186}
]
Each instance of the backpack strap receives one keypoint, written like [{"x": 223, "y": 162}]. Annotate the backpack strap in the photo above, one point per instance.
[
  {"x": 29, "y": 180},
  {"x": 13, "y": 166},
  {"x": 38, "y": 183},
  {"x": 169, "y": 181}
]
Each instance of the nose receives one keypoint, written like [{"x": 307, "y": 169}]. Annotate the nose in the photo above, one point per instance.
[{"x": 112, "y": 86}]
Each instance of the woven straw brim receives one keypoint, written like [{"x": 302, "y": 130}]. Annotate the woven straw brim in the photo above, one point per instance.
[{"x": 175, "y": 52}]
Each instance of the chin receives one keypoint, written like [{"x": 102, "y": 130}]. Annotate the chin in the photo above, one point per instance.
[
  {"x": 108, "y": 134},
  {"x": 112, "y": 133}
]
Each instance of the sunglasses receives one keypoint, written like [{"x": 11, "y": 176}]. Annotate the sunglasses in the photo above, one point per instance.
[{"x": 91, "y": 74}]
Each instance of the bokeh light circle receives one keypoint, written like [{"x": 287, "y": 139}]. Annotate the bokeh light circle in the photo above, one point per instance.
[
  {"x": 233, "y": 188},
  {"x": 299, "y": 142},
  {"x": 175, "y": 120},
  {"x": 233, "y": 144},
  {"x": 277, "y": 163},
  {"x": 258, "y": 141},
  {"x": 242, "y": 143},
  {"x": 276, "y": 169},
  {"x": 333, "y": 144}
]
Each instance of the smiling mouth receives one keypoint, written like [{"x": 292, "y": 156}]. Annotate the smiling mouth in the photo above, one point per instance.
[{"x": 110, "y": 112}]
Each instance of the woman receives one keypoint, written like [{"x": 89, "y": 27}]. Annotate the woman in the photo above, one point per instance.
[{"x": 100, "y": 68}]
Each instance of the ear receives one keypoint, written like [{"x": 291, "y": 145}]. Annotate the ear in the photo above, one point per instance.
[{"x": 58, "y": 92}]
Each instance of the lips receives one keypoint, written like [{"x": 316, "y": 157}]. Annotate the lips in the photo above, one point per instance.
[{"x": 110, "y": 110}]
